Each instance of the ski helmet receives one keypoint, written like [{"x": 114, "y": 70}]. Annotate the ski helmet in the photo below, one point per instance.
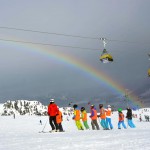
[
  {"x": 82, "y": 108},
  {"x": 100, "y": 105},
  {"x": 119, "y": 109},
  {"x": 52, "y": 100},
  {"x": 92, "y": 106},
  {"x": 109, "y": 106},
  {"x": 75, "y": 106}
]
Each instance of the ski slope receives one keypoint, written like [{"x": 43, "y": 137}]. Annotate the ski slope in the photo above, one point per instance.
[{"x": 22, "y": 133}]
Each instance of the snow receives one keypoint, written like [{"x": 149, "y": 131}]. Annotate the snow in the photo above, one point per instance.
[
  {"x": 1, "y": 108},
  {"x": 22, "y": 133}
]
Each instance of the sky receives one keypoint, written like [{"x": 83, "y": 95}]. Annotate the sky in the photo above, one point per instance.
[
  {"x": 38, "y": 71},
  {"x": 22, "y": 133}
]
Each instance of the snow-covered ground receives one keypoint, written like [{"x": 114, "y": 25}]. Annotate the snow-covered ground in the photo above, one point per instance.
[{"x": 22, "y": 133}]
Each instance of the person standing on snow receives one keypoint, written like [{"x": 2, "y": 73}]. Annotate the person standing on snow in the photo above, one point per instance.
[
  {"x": 121, "y": 119},
  {"x": 52, "y": 112},
  {"x": 93, "y": 117},
  {"x": 59, "y": 119},
  {"x": 103, "y": 117},
  {"x": 40, "y": 122},
  {"x": 108, "y": 117},
  {"x": 84, "y": 117},
  {"x": 76, "y": 117},
  {"x": 129, "y": 118},
  {"x": 140, "y": 118}
]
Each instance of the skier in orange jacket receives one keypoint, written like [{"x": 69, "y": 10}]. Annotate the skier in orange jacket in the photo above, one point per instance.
[
  {"x": 59, "y": 119},
  {"x": 76, "y": 117},
  {"x": 93, "y": 117},
  {"x": 84, "y": 117},
  {"x": 108, "y": 117},
  {"x": 103, "y": 117},
  {"x": 121, "y": 119}
]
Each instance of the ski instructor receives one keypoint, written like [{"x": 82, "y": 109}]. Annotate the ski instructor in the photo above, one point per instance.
[{"x": 52, "y": 112}]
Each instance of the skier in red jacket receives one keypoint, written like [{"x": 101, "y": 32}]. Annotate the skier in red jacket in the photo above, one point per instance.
[{"x": 52, "y": 112}]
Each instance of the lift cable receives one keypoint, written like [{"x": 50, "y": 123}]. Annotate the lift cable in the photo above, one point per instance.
[{"x": 76, "y": 47}]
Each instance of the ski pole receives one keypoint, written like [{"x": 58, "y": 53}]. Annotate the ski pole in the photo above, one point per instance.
[
  {"x": 44, "y": 126},
  {"x": 100, "y": 121},
  {"x": 127, "y": 122}
]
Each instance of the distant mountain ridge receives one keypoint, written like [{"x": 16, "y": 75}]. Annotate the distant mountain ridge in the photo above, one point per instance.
[
  {"x": 26, "y": 107},
  {"x": 23, "y": 107}
]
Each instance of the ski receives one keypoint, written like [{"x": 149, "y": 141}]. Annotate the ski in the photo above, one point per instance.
[
  {"x": 43, "y": 132},
  {"x": 50, "y": 132}
]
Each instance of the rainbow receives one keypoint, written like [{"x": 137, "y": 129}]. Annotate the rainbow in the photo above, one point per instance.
[{"x": 79, "y": 65}]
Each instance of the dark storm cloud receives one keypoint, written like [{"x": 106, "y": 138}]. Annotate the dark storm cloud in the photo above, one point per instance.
[{"x": 25, "y": 73}]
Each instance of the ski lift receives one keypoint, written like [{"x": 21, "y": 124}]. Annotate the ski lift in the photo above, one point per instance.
[
  {"x": 105, "y": 56},
  {"x": 149, "y": 55},
  {"x": 148, "y": 72}
]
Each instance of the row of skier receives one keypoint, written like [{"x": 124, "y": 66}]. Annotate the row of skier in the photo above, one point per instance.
[
  {"x": 104, "y": 118},
  {"x": 55, "y": 117}
]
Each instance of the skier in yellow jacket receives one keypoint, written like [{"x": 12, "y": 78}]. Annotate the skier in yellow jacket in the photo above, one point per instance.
[
  {"x": 84, "y": 117},
  {"x": 76, "y": 117}
]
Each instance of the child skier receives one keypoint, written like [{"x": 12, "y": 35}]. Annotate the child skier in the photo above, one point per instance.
[
  {"x": 76, "y": 117},
  {"x": 59, "y": 119},
  {"x": 103, "y": 117},
  {"x": 129, "y": 118},
  {"x": 121, "y": 119},
  {"x": 84, "y": 117},
  {"x": 93, "y": 117},
  {"x": 108, "y": 117}
]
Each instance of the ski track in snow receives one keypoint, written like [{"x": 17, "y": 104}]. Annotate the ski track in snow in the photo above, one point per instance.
[{"x": 22, "y": 133}]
